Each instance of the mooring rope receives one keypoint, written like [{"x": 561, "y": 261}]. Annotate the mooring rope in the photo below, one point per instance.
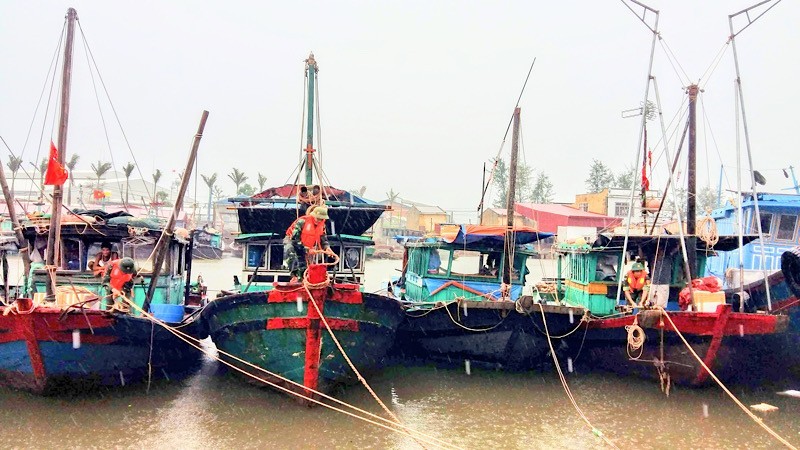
[
  {"x": 194, "y": 342},
  {"x": 561, "y": 377},
  {"x": 727, "y": 391}
]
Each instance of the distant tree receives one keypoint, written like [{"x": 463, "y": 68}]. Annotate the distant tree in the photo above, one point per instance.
[
  {"x": 209, "y": 181},
  {"x": 522, "y": 187},
  {"x": 600, "y": 177},
  {"x": 706, "y": 200},
  {"x": 542, "y": 191},
  {"x": 500, "y": 181},
  {"x": 14, "y": 164},
  {"x": 128, "y": 170},
  {"x": 161, "y": 197},
  {"x": 247, "y": 189},
  {"x": 262, "y": 180},
  {"x": 73, "y": 161},
  {"x": 359, "y": 192},
  {"x": 218, "y": 194},
  {"x": 42, "y": 170},
  {"x": 100, "y": 169},
  {"x": 624, "y": 179},
  {"x": 238, "y": 177},
  {"x": 392, "y": 196}
]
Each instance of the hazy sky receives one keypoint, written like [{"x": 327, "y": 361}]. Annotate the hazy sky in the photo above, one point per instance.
[{"x": 415, "y": 95}]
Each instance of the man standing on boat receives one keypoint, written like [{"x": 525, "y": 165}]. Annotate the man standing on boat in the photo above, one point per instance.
[
  {"x": 305, "y": 235},
  {"x": 637, "y": 286}
]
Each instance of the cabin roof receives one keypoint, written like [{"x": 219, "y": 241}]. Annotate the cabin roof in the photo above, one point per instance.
[{"x": 647, "y": 243}]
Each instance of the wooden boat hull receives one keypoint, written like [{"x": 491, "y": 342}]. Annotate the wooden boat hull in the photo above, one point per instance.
[
  {"x": 489, "y": 333},
  {"x": 47, "y": 351},
  {"x": 739, "y": 348},
  {"x": 267, "y": 330}
]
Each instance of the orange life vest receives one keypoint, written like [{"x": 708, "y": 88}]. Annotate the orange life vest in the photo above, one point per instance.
[
  {"x": 636, "y": 283},
  {"x": 312, "y": 231},
  {"x": 118, "y": 277}
]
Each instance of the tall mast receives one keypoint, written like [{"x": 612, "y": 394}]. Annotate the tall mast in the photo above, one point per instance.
[
  {"x": 512, "y": 187},
  {"x": 53, "y": 258},
  {"x": 691, "y": 194},
  {"x": 311, "y": 74},
  {"x": 162, "y": 246}
]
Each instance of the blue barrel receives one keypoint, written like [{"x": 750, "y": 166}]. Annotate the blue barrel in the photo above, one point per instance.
[{"x": 167, "y": 313}]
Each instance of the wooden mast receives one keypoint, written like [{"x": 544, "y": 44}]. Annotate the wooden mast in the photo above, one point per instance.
[
  {"x": 691, "y": 194},
  {"x": 21, "y": 242},
  {"x": 53, "y": 257},
  {"x": 162, "y": 245},
  {"x": 512, "y": 187}
]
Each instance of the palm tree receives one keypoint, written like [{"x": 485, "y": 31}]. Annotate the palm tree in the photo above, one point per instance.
[
  {"x": 99, "y": 170},
  {"x": 42, "y": 171},
  {"x": 262, "y": 179},
  {"x": 238, "y": 177},
  {"x": 73, "y": 161},
  {"x": 392, "y": 198},
  {"x": 209, "y": 181},
  {"x": 14, "y": 164},
  {"x": 128, "y": 170},
  {"x": 156, "y": 178}
]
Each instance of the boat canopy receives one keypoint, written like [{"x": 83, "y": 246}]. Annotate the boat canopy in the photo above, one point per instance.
[
  {"x": 725, "y": 243},
  {"x": 290, "y": 192},
  {"x": 484, "y": 234}
]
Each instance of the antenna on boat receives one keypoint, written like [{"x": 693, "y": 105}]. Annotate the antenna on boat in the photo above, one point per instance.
[
  {"x": 740, "y": 104},
  {"x": 53, "y": 257}
]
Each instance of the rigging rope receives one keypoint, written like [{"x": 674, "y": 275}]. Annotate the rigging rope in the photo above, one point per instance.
[
  {"x": 196, "y": 344},
  {"x": 727, "y": 391},
  {"x": 563, "y": 380}
]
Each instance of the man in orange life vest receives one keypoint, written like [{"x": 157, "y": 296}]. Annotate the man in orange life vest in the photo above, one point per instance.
[
  {"x": 306, "y": 233},
  {"x": 119, "y": 278},
  {"x": 636, "y": 285}
]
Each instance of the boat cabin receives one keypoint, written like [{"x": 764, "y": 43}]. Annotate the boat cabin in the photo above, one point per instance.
[
  {"x": 779, "y": 224},
  {"x": 263, "y": 259},
  {"x": 465, "y": 262},
  {"x": 588, "y": 274},
  {"x": 81, "y": 239}
]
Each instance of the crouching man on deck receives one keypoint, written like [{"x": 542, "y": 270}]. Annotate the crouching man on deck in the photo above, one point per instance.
[
  {"x": 306, "y": 234},
  {"x": 118, "y": 280},
  {"x": 637, "y": 285}
]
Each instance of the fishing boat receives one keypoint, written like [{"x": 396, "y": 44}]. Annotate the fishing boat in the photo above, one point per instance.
[
  {"x": 207, "y": 243},
  {"x": 62, "y": 334},
  {"x": 464, "y": 294},
  {"x": 736, "y": 346},
  {"x": 460, "y": 309},
  {"x": 282, "y": 330}
]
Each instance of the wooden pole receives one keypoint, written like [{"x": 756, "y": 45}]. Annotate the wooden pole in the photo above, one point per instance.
[
  {"x": 163, "y": 241},
  {"x": 21, "y": 242},
  {"x": 691, "y": 191},
  {"x": 53, "y": 257},
  {"x": 512, "y": 187}
]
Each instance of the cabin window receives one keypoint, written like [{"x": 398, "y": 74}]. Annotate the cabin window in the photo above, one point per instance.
[
  {"x": 606, "y": 269},
  {"x": 255, "y": 255},
  {"x": 621, "y": 209},
  {"x": 71, "y": 254},
  {"x": 92, "y": 249},
  {"x": 786, "y": 227},
  {"x": 766, "y": 222},
  {"x": 351, "y": 258},
  {"x": 275, "y": 256},
  {"x": 140, "y": 249}
]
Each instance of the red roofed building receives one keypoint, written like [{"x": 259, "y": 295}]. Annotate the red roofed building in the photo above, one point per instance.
[{"x": 549, "y": 216}]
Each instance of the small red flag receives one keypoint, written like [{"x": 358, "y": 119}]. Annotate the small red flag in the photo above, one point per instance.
[{"x": 56, "y": 174}]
